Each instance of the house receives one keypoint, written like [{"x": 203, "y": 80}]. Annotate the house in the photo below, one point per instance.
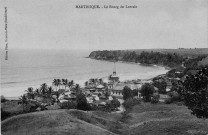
[
  {"x": 163, "y": 97},
  {"x": 169, "y": 86},
  {"x": 100, "y": 88},
  {"x": 117, "y": 89}
]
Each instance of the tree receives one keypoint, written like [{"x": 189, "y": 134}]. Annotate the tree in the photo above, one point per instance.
[
  {"x": 59, "y": 82},
  {"x": 30, "y": 93},
  {"x": 77, "y": 88},
  {"x": 49, "y": 92},
  {"x": 23, "y": 101},
  {"x": 72, "y": 83},
  {"x": 3, "y": 99},
  {"x": 82, "y": 102},
  {"x": 115, "y": 103},
  {"x": 65, "y": 82},
  {"x": 126, "y": 93},
  {"x": 130, "y": 102},
  {"x": 195, "y": 93},
  {"x": 155, "y": 98},
  {"x": 37, "y": 92},
  {"x": 43, "y": 88},
  {"x": 147, "y": 91},
  {"x": 161, "y": 86},
  {"x": 86, "y": 83},
  {"x": 134, "y": 92},
  {"x": 56, "y": 83}
]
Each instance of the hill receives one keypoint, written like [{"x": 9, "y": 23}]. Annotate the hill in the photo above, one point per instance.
[
  {"x": 59, "y": 122},
  {"x": 146, "y": 118},
  {"x": 164, "y": 119},
  {"x": 181, "y": 52},
  {"x": 165, "y": 57}
]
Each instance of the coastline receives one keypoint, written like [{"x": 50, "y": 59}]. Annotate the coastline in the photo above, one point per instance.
[
  {"x": 78, "y": 82},
  {"x": 120, "y": 61}
]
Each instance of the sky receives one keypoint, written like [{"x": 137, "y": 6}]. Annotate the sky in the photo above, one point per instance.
[{"x": 57, "y": 24}]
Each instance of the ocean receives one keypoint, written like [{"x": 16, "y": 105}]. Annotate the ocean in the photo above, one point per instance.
[{"x": 30, "y": 68}]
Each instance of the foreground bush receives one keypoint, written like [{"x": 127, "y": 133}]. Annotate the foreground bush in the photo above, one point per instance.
[
  {"x": 147, "y": 91},
  {"x": 3, "y": 99},
  {"x": 174, "y": 97},
  {"x": 4, "y": 114},
  {"x": 68, "y": 105},
  {"x": 155, "y": 98},
  {"x": 195, "y": 93},
  {"x": 130, "y": 102}
]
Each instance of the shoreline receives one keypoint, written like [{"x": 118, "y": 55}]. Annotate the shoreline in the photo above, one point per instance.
[
  {"x": 129, "y": 80},
  {"x": 120, "y": 61}
]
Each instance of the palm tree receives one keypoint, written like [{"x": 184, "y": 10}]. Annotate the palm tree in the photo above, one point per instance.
[
  {"x": 49, "y": 92},
  {"x": 44, "y": 88},
  {"x": 23, "y": 101},
  {"x": 77, "y": 89},
  {"x": 72, "y": 82},
  {"x": 65, "y": 82},
  {"x": 59, "y": 82},
  {"x": 86, "y": 83},
  {"x": 101, "y": 81},
  {"x": 30, "y": 93},
  {"x": 37, "y": 92},
  {"x": 69, "y": 84},
  {"x": 55, "y": 83}
]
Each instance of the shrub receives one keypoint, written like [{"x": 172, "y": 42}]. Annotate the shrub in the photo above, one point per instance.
[
  {"x": 127, "y": 93},
  {"x": 82, "y": 102},
  {"x": 115, "y": 103},
  {"x": 68, "y": 105},
  {"x": 155, "y": 98},
  {"x": 4, "y": 114},
  {"x": 147, "y": 91},
  {"x": 93, "y": 107},
  {"x": 130, "y": 102},
  {"x": 168, "y": 101},
  {"x": 174, "y": 96},
  {"x": 3, "y": 99},
  {"x": 195, "y": 93}
]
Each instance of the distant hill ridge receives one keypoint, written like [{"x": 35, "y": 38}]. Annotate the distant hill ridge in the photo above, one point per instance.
[
  {"x": 165, "y": 57},
  {"x": 183, "y": 52}
]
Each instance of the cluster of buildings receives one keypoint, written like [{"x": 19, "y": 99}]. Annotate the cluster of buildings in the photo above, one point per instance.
[{"x": 99, "y": 92}]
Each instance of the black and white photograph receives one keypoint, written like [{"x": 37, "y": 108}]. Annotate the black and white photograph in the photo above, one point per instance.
[{"x": 104, "y": 67}]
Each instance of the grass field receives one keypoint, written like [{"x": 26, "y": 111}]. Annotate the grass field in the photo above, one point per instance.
[
  {"x": 150, "y": 119},
  {"x": 163, "y": 119}
]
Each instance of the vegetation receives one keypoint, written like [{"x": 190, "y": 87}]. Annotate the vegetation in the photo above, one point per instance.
[
  {"x": 130, "y": 102},
  {"x": 155, "y": 98},
  {"x": 82, "y": 102},
  {"x": 147, "y": 91},
  {"x": 195, "y": 93},
  {"x": 127, "y": 93},
  {"x": 3, "y": 99},
  {"x": 115, "y": 103},
  {"x": 144, "y": 118},
  {"x": 68, "y": 105},
  {"x": 161, "y": 86},
  {"x": 144, "y": 57}
]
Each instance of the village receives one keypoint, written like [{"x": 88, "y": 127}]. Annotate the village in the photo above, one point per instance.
[{"x": 99, "y": 93}]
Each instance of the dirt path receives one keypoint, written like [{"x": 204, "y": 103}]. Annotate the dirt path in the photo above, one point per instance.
[{"x": 142, "y": 123}]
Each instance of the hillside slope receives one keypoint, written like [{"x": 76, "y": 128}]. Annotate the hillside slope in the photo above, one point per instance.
[
  {"x": 58, "y": 122},
  {"x": 146, "y": 118}
]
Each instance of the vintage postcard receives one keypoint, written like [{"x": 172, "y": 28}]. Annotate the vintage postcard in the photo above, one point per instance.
[{"x": 100, "y": 67}]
